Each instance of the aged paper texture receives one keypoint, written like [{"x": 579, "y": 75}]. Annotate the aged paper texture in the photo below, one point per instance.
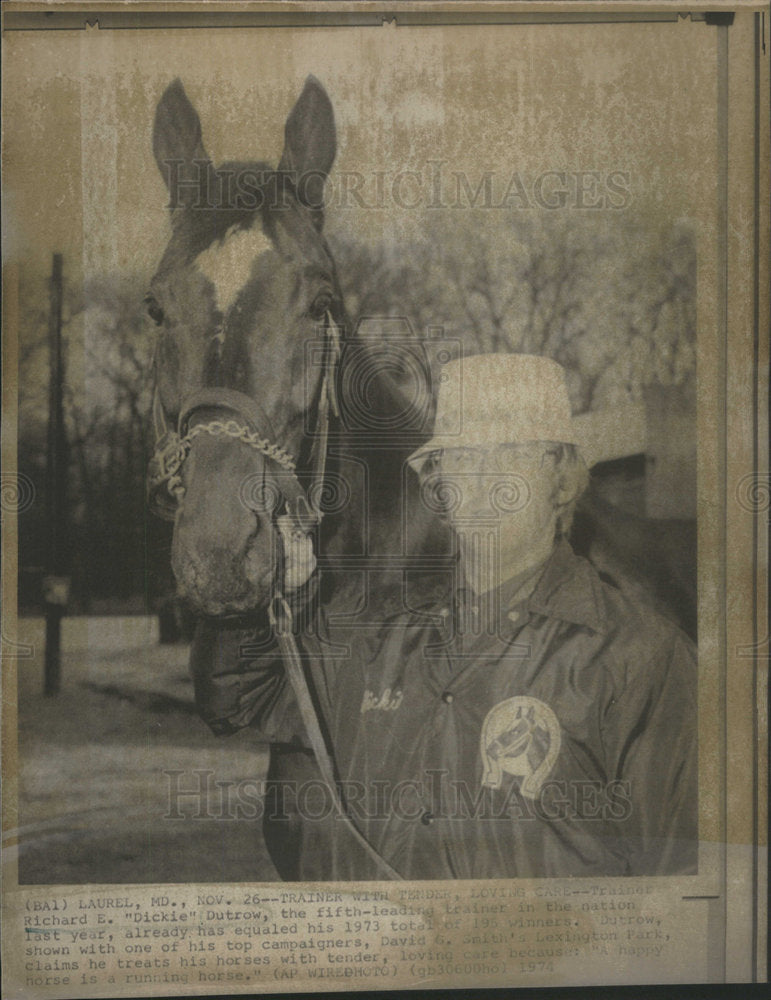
[{"x": 385, "y": 496}]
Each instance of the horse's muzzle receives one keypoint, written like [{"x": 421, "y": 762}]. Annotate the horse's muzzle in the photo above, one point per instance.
[{"x": 224, "y": 553}]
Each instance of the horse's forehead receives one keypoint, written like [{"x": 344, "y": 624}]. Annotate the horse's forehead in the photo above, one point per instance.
[{"x": 228, "y": 263}]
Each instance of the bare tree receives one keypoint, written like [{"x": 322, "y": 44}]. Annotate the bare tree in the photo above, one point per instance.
[
  {"x": 613, "y": 303},
  {"x": 107, "y": 400}
]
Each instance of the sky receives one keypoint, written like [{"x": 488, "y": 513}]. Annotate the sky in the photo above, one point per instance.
[{"x": 624, "y": 111}]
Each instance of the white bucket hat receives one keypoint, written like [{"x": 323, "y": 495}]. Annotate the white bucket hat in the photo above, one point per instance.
[{"x": 490, "y": 399}]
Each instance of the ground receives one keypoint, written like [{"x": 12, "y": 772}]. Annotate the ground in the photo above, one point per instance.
[{"x": 95, "y": 803}]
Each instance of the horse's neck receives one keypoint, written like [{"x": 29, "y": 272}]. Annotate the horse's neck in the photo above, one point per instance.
[
  {"x": 371, "y": 520},
  {"x": 367, "y": 547},
  {"x": 384, "y": 519}
]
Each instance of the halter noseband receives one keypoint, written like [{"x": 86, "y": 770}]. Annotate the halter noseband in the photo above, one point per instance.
[{"x": 249, "y": 423}]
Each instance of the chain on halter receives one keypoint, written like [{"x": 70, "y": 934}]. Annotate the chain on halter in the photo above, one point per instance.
[{"x": 171, "y": 456}]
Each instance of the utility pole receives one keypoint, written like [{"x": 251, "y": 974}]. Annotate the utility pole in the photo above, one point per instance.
[{"x": 55, "y": 583}]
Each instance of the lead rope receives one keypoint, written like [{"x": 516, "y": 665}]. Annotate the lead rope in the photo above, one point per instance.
[
  {"x": 280, "y": 615},
  {"x": 282, "y": 620}
]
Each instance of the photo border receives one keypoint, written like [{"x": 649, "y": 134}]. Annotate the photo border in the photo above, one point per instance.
[{"x": 742, "y": 319}]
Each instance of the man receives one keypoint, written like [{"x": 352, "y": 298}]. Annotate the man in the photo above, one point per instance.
[{"x": 533, "y": 724}]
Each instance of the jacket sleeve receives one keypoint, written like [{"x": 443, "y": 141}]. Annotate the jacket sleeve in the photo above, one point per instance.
[
  {"x": 239, "y": 679},
  {"x": 655, "y": 724}
]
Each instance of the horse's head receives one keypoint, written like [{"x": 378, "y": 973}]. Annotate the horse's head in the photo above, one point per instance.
[{"x": 245, "y": 286}]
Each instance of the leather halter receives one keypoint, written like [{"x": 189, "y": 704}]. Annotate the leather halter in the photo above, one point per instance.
[{"x": 244, "y": 420}]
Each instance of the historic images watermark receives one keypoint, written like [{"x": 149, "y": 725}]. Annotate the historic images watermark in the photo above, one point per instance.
[
  {"x": 17, "y": 495},
  {"x": 248, "y": 188},
  {"x": 412, "y": 366},
  {"x": 200, "y": 794}
]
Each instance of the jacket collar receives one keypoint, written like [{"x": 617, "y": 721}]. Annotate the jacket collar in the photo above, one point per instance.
[{"x": 569, "y": 590}]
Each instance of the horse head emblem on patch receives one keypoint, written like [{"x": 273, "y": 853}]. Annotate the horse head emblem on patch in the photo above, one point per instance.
[{"x": 522, "y": 737}]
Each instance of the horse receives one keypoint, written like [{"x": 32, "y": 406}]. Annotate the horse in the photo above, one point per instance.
[{"x": 251, "y": 323}]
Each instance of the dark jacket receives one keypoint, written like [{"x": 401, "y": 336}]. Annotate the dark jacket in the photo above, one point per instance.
[{"x": 555, "y": 738}]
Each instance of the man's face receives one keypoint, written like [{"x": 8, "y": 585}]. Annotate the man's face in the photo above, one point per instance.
[{"x": 512, "y": 486}]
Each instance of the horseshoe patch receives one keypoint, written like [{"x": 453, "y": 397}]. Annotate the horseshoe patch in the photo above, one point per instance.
[{"x": 522, "y": 737}]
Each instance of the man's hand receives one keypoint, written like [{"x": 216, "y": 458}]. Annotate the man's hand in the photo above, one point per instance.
[{"x": 299, "y": 560}]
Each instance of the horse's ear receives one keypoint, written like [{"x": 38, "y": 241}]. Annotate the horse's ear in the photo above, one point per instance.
[
  {"x": 310, "y": 144},
  {"x": 178, "y": 146}
]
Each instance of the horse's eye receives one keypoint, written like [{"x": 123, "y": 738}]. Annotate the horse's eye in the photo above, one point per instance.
[
  {"x": 154, "y": 311},
  {"x": 321, "y": 304}
]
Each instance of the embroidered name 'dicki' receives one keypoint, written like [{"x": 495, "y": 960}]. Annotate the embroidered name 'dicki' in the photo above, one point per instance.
[
  {"x": 386, "y": 702},
  {"x": 522, "y": 737}
]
